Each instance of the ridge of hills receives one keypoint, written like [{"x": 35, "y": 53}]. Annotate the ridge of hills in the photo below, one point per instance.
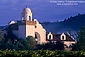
[{"x": 72, "y": 23}]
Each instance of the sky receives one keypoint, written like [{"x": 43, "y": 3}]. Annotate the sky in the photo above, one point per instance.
[{"x": 43, "y": 10}]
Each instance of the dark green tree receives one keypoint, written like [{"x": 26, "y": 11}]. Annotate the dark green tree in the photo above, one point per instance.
[
  {"x": 59, "y": 45},
  {"x": 81, "y": 38},
  {"x": 80, "y": 45},
  {"x": 9, "y": 44},
  {"x": 31, "y": 42},
  {"x": 6, "y": 44},
  {"x": 10, "y": 35},
  {"x": 52, "y": 45},
  {"x": 69, "y": 31},
  {"x": 19, "y": 46}
]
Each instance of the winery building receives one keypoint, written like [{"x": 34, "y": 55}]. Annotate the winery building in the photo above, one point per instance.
[{"x": 31, "y": 27}]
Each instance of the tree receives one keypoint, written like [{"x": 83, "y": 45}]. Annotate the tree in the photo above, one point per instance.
[
  {"x": 59, "y": 45},
  {"x": 10, "y": 35},
  {"x": 45, "y": 46},
  {"x": 52, "y": 46},
  {"x": 69, "y": 31},
  {"x": 9, "y": 44},
  {"x": 31, "y": 42},
  {"x": 19, "y": 46},
  {"x": 80, "y": 39},
  {"x": 6, "y": 44}
]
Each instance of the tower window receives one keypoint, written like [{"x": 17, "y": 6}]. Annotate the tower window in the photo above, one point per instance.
[
  {"x": 35, "y": 26},
  {"x": 63, "y": 37},
  {"x": 29, "y": 18},
  {"x": 49, "y": 36}
]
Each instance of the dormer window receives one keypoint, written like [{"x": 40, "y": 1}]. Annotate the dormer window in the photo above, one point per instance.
[
  {"x": 63, "y": 36},
  {"x": 49, "y": 36}
]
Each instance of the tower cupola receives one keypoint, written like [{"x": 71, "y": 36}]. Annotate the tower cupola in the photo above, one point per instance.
[{"x": 27, "y": 14}]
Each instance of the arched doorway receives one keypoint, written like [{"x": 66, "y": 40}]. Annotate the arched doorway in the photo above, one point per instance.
[{"x": 37, "y": 36}]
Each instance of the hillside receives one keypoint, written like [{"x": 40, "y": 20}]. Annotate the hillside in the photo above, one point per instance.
[
  {"x": 1, "y": 27},
  {"x": 73, "y": 23}
]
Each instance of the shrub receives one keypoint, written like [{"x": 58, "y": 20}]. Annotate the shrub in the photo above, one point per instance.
[{"x": 40, "y": 53}]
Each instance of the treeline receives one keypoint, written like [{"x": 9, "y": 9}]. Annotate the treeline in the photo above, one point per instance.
[{"x": 74, "y": 23}]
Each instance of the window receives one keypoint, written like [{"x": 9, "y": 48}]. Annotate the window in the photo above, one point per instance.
[
  {"x": 35, "y": 36},
  {"x": 29, "y": 18},
  {"x": 35, "y": 26},
  {"x": 49, "y": 36},
  {"x": 63, "y": 37}
]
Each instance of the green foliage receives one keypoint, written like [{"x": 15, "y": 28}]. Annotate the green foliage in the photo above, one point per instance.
[
  {"x": 31, "y": 42},
  {"x": 51, "y": 46},
  {"x": 21, "y": 44},
  {"x": 11, "y": 41},
  {"x": 10, "y": 35},
  {"x": 40, "y": 53},
  {"x": 80, "y": 40},
  {"x": 0, "y": 35}
]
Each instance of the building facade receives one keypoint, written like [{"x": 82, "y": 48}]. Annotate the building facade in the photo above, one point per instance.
[
  {"x": 27, "y": 27},
  {"x": 31, "y": 27},
  {"x": 66, "y": 38}
]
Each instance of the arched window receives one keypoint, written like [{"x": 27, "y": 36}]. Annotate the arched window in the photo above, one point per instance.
[
  {"x": 49, "y": 36},
  {"x": 62, "y": 37},
  {"x": 29, "y": 18}
]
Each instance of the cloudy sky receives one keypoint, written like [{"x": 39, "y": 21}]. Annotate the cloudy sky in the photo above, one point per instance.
[{"x": 43, "y": 10}]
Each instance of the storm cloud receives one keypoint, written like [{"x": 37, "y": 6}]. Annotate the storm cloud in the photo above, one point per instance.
[{"x": 42, "y": 10}]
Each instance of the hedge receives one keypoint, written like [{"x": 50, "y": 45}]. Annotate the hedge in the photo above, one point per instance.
[{"x": 40, "y": 53}]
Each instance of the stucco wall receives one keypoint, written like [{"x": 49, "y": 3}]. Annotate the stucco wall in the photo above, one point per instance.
[
  {"x": 22, "y": 31},
  {"x": 30, "y": 30},
  {"x": 41, "y": 31},
  {"x": 68, "y": 43}
]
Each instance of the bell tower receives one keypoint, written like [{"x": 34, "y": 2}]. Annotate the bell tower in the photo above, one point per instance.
[{"x": 26, "y": 14}]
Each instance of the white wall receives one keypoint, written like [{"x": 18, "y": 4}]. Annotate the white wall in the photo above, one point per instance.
[
  {"x": 68, "y": 43},
  {"x": 22, "y": 31},
  {"x": 41, "y": 31},
  {"x": 30, "y": 30}
]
